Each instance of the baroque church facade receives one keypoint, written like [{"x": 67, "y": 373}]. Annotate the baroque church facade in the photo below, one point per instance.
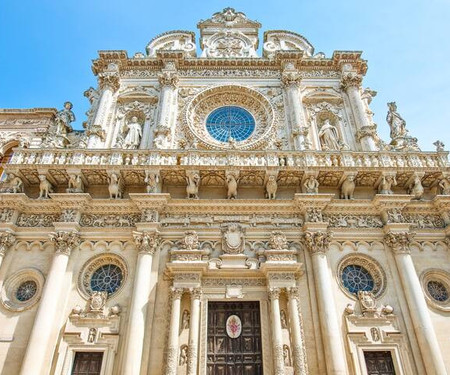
[{"x": 223, "y": 212}]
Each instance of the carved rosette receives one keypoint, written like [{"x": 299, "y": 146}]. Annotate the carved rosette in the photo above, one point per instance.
[
  {"x": 399, "y": 241},
  {"x": 64, "y": 241},
  {"x": 6, "y": 241},
  {"x": 109, "y": 80},
  {"x": 146, "y": 242},
  {"x": 350, "y": 79},
  {"x": 317, "y": 242},
  {"x": 168, "y": 78}
]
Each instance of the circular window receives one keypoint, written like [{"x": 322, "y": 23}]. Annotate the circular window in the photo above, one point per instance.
[
  {"x": 356, "y": 278},
  {"x": 361, "y": 273},
  {"x": 22, "y": 290},
  {"x": 26, "y": 290},
  {"x": 107, "y": 278},
  {"x": 230, "y": 123},
  {"x": 436, "y": 286},
  {"x": 103, "y": 273}
]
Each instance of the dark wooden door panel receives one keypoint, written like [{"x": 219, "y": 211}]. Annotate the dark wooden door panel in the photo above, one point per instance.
[
  {"x": 234, "y": 356},
  {"x": 379, "y": 363},
  {"x": 87, "y": 363}
]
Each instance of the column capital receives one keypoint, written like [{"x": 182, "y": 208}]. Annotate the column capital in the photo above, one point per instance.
[
  {"x": 350, "y": 79},
  {"x": 146, "y": 242},
  {"x": 109, "y": 80},
  {"x": 196, "y": 293},
  {"x": 399, "y": 241},
  {"x": 274, "y": 293},
  {"x": 65, "y": 241},
  {"x": 290, "y": 78},
  {"x": 168, "y": 78},
  {"x": 6, "y": 241},
  {"x": 317, "y": 242},
  {"x": 292, "y": 293},
  {"x": 176, "y": 293}
]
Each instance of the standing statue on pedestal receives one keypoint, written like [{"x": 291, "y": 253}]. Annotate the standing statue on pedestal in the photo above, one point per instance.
[
  {"x": 133, "y": 134},
  {"x": 64, "y": 118},
  {"x": 396, "y": 122},
  {"x": 329, "y": 137}
]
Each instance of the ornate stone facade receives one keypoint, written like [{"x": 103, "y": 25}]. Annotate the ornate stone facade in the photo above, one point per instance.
[{"x": 215, "y": 192}]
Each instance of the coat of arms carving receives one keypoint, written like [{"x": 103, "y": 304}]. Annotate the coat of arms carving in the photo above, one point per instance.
[{"x": 233, "y": 239}]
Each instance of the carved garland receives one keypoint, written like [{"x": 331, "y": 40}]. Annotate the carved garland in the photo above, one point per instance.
[
  {"x": 371, "y": 265},
  {"x": 205, "y": 102},
  {"x": 84, "y": 278}
]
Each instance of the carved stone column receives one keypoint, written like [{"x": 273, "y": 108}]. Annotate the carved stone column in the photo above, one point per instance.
[
  {"x": 317, "y": 244},
  {"x": 146, "y": 244},
  {"x": 399, "y": 242},
  {"x": 172, "y": 345},
  {"x": 277, "y": 337},
  {"x": 165, "y": 128},
  {"x": 298, "y": 350},
  {"x": 291, "y": 79},
  {"x": 6, "y": 241},
  {"x": 108, "y": 82},
  {"x": 194, "y": 327},
  {"x": 351, "y": 83},
  {"x": 40, "y": 345}
]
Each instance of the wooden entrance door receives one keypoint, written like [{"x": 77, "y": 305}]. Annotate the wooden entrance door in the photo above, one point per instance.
[
  {"x": 87, "y": 363},
  {"x": 234, "y": 356},
  {"x": 379, "y": 363}
]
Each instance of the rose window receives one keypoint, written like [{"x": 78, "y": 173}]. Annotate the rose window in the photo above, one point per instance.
[
  {"x": 356, "y": 278},
  {"x": 437, "y": 291},
  {"x": 26, "y": 290},
  {"x": 230, "y": 123},
  {"x": 107, "y": 278}
]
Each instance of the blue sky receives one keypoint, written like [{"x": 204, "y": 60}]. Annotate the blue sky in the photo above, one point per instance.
[{"x": 46, "y": 47}]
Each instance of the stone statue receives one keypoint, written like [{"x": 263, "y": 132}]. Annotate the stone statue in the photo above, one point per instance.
[
  {"x": 329, "y": 137},
  {"x": 439, "y": 146},
  {"x": 183, "y": 355},
  {"x": 444, "y": 184},
  {"x": 115, "y": 186},
  {"x": 11, "y": 184},
  {"x": 386, "y": 184},
  {"x": 271, "y": 187},
  {"x": 193, "y": 183},
  {"x": 76, "y": 184},
  {"x": 348, "y": 187},
  {"x": 416, "y": 188},
  {"x": 45, "y": 187},
  {"x": 396, "y": 122},
  {"x": 92, "y": 334},
  {"x": 64, "y": 118},
  {"x": 283, "y": 319},
  {"x": 133, "y": 134},
  {"x": 232, "y": 183},
  {"x": 311, "y": 185},
  {"x": 152, "y": 180},
  {"x": 185, "y": 320}
]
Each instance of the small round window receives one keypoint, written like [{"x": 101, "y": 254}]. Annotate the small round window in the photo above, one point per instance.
[
  {"x": 107, "y": 278},
  {"x": 437, "y": 290},
  {"x": 356, "y": 278},
  {"x": 230, "y": 123},
  {"x": 26, "y": 290}
]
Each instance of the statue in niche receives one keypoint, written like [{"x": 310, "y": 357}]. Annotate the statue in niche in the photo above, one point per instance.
[
  {"x": 386, "y": 184},
  {"x": 311, "y": 185},
  {"x": 444, "y": 184},
  {"x": 133, "y": 134},
  {"x": 91, "y": 335},
  {"x": 185, "y": 320},
  {"x": 283, "y": 319},
  {"x": 183, "y": 355},
  {"x": 396, "y": 122},
  {"x": 329, "y": 137},
  {"x": 286, "y": 356},
  {"x": 76, "y": 184},
  {"x": 64, "y": 118},
  {"x": 11, "y": 184}
]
